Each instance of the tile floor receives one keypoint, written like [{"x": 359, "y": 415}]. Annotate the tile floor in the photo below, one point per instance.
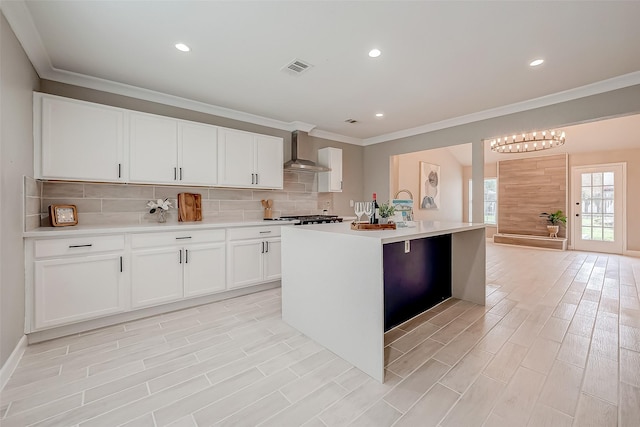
[{"x": 557, "y": 344}]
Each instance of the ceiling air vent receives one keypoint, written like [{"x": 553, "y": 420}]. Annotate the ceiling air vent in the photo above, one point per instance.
[
  {"x": 351, "y": 121},
  {"x": 297, "y": 67}
]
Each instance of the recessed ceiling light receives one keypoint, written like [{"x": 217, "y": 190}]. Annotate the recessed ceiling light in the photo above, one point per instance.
[
  {"x": 182, "y": 47},
  {"x": 536, "y": 62},
  {"x": 379, "y": 114},
  {"x": 374, "y": 53}
]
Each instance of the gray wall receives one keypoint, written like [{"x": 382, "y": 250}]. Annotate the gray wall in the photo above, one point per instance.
[
  {"x": 610, "y": 104},
  {"x": 17, "y": 81}
]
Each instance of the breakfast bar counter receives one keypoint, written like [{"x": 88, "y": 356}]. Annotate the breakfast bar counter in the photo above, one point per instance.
[{"x": 344, "y": 288}]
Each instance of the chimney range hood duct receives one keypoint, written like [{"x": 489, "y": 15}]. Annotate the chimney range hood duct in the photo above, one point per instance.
[{"x": 301, "y": 165}]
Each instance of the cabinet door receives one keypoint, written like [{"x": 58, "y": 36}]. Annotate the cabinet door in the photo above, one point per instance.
[
  {"x": 198, "y": 154},
  {"x": 245, "y": 266},
  {"x": 269, "y": 161},
  {"x": 204, "y": 269},
  {"x": 272, "y": 260},
  {"x": 153, "y": 148},
  {"x": 156, "y": 276},
  {"x": 81, "y": 141},
  {"x": 236, "y": 158},
  {"x": 73, "y": 289},
  {"x": 330, "y": 181}
]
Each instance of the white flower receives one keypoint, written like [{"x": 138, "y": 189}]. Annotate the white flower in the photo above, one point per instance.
[{"x": 159, "y": 204}]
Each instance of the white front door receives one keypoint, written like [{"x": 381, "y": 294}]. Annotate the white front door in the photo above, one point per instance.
[{"x": 598, "y": 207}]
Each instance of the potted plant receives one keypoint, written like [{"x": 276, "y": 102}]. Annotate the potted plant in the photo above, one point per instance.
[
  {"x": 386, "y": 210},
  {"x": 555, "y": 219}
]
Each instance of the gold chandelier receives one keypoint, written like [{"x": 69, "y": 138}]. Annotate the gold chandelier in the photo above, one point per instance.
[{"x": 528, "y": 142}]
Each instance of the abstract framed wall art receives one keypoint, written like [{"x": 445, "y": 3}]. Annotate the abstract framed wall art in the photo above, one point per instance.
[{"x": 429, "y": 186}]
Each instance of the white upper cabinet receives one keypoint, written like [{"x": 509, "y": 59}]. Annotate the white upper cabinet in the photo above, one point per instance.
[
  {"x": 153, "y": 149},
  {"x": 330, "y": 181},
  {"x": 249, "y": 160},
  {"x": 76, "y": 140},
  {"x": 197, "y": 153},
  {"x": 169, "y": 151},
  {"x": 82, "y": 141}
]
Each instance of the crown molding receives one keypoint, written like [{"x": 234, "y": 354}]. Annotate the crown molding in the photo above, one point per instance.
[
  {"x": 614, "y": 83},
  {"x": 318, "y": 133}
]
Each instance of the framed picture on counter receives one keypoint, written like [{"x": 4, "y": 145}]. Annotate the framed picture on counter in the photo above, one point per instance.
[{"x": 429, "y": 186}]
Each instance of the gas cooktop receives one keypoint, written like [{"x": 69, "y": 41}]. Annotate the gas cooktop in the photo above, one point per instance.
[{"x": 311, "y": 219}]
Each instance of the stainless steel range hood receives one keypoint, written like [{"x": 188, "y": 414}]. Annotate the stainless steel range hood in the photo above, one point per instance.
[{"x": 301, "y": 165}]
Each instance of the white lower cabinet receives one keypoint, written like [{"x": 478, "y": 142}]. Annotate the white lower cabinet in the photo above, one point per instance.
[
  {"x": 253, "y": 256},
  {"x": 75, "y": 283},
  {"x": 185, "y": 265},
  {"x": 80, "y": 278}
]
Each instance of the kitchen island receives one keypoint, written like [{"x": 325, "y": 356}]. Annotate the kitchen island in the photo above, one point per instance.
[{"x": 345, "y": 288}]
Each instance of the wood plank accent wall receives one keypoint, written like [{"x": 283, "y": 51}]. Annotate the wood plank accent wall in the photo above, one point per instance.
[{"x": 527, "y": 187}]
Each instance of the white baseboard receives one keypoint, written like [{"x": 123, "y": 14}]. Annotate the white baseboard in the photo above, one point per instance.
[
  {"x": 12, "y": 362},
  {"x": 632, "y": 253}
]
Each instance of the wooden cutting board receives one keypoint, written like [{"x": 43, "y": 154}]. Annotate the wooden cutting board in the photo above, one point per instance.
[{"x": 189, "y": 207}]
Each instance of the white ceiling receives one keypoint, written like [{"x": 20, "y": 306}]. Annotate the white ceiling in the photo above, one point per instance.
[{"x": 442, "y": 63}]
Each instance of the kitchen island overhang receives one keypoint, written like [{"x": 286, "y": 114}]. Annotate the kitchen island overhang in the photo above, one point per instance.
[{"x": 333, "y": 287}]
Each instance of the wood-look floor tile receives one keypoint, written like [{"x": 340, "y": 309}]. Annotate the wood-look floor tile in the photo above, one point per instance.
[
  {"x": 574, "y": 350},
  {"x": 518, "y": 400},
  {"x": 562, "y": 388},
  {"x": 380, "y": 414},
  {"x": 410, "y": 361},
  {"x": 241, "y": 365},
  {"x": 545, "y": 416},
  {"x": 456, "y": 349},
  {"x": 514, "y": 318},
  {"x": 554, "y": 329},
  {"x": 393, "y": 335},
  {"x": 352, "y": 379},
  {"x": 312, "y": 362},
  {"x": 43, "y": 412},
  {"x": 347, "y": 409},
  {"x": 601, "y": 379},
  {"x": 593, "y": 412},
  {"x": 495, "y": 339},
  {"x": 96, "y": 408},
  {"x": 582, "y": 325},
  {"x": 409, "y": 390},
  {"x": 302, "y": 386},
  {"x": 506, "y": 362},
  {"x": 629, "y": 405},
  {"x": 309, "y": 407},
  {"x": 148, "y": 404},
  {"x": 253, "y": 414},
  {"x": 541, "y": 355},
  {"x": 630, "y": 337},
  {"x": 430, "y": 409},
  {"x": 235, "y": 400},
  {"x": 475, "y": 404},
  {"x": 147, "y": 421},
  {"x": 565, "y": 310},
  {"x": 415, "y": 337},
  {"x": 630, "y": 367},
  {"x": 460, "y": 377}
]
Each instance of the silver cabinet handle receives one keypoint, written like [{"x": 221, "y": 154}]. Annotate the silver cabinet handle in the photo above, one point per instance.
[
  {"x": 265, "y": 232},
  {"x": 175, "y": 174},
  {"x": 182, "y": 238},
  {"x": 81, "y": 246},
  {"x": 180, "y": 174},
  {"x": 257, "y": 179}
]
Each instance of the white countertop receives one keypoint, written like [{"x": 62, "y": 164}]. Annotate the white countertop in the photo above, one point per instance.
[
  {"x": 81, "y": 230},
  {"x": 420, "y": 229}
]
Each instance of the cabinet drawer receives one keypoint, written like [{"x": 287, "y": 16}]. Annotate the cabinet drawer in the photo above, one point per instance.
[
  {"x": 78, "y": 245},
  {"x": 150, "y": 240},
  {"x": 253, "y": 232}
]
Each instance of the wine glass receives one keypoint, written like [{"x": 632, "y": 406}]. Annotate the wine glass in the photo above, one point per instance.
[
  {"x": 359, "y": 209},
  {"x": 368, "y": 209}
]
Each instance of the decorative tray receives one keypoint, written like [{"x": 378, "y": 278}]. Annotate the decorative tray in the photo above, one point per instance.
[{"x": 360, "y": 226}]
